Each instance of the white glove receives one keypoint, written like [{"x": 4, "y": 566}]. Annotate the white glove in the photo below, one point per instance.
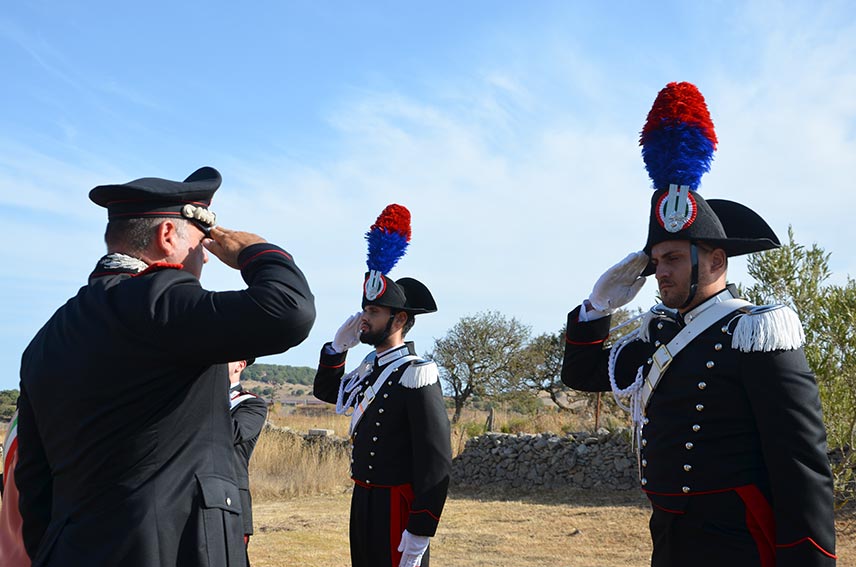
[
  {"x": 348, "y": 334},
  {"x": 412, "y": 548},
  {"x": 619, "y": 284}
]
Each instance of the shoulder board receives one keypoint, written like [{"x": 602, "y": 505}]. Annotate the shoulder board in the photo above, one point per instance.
[
  {"x": 419, "y": 374},
  {"x": 766, "y": 328}
]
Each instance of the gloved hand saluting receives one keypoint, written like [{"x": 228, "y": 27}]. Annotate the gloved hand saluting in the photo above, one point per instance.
[
  {"x": 348, "y": 334},
  {"x": 619, "y": 284},
  {"x": 412, "y": 548}
]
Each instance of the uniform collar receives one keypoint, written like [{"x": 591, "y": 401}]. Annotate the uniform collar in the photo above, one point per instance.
[
  {"x": 394, "y": 353},
  {"x": 727, "y": 293}
]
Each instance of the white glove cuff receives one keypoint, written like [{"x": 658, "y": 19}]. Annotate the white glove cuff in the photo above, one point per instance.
[{"x": 593, "y": 314}]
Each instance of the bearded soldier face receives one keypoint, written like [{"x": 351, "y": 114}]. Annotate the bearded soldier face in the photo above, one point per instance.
[{"x": 375, "y": 324}]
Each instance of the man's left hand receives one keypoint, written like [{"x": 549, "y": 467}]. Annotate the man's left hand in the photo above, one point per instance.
[{"x": 412, "y": 548}]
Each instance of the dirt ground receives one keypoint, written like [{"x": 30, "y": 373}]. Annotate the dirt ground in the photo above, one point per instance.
[{"x": 560, "y": 528}]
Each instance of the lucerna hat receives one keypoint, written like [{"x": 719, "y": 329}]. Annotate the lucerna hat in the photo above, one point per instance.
[
  {"x": 387, "y": 240},
  {"x": 678, "y": 141},
  {"x": 155, "y": 197}
]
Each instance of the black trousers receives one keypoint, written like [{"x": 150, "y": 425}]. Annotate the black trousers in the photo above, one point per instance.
[{"x": 379, "y": 515}]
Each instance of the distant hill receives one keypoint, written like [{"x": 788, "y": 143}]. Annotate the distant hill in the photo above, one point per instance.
[{"x": 278, "y": 374}]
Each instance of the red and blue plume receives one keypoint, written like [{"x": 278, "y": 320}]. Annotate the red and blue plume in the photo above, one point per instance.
[
  {"x": 678, "y": 140},
  {"x": 388, "y": 238}
]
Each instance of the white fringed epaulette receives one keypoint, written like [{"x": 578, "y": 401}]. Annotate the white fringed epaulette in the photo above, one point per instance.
[
  {"x": 767, "y": 328},
  {"x": 420, "y": 374}
]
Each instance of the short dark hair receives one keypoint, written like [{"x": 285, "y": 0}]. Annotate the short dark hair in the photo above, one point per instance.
[
  {"x": 408, "y": 324},
  {"x": 135, "y": 235}
]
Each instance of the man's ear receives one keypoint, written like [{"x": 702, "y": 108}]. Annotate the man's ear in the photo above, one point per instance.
[
  {"x": 400, "y": 320},
  {"x": 718, "y": 260},
  {"x": 166, "y": 237}
]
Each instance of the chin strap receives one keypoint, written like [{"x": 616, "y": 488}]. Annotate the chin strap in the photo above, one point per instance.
[{"x": 694, "y": 276}]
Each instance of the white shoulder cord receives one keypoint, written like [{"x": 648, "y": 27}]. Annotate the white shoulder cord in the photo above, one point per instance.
[
  {"x": 634, "y": 390},
  {"x": 349, "y": 384}
]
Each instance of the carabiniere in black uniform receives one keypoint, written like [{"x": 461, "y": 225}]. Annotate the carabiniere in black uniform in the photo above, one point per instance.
[
  {"x": 731, "y": 440},
  {"x": 401, "y": 458}
]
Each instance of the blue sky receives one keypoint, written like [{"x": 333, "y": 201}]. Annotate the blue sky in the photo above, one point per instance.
[{"x": 508, "y": 128}]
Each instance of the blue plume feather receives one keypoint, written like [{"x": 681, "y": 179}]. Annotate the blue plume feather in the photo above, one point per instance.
[
  {"x": 385, "y": 249},
  {"x": 678, "y": 154}
]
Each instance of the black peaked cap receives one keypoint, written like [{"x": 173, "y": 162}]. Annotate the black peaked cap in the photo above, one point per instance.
[{"x": 156, "y": 197}]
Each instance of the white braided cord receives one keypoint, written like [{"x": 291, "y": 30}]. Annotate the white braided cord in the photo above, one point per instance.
[{"x": 634, "y": 390}]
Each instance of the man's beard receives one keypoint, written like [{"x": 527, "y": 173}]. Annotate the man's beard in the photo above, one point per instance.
[{"x": 374, "y": 339}]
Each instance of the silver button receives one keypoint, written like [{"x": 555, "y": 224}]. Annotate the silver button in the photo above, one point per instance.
[
  {"x": 386, "y": 395},
  {"x": 380, "y": 410},
  {"x": 374, "y": 438},
  {"x": 644, "y": 442},
  {"x": 696, "y": 427},
  {"x": 371, "y": 454},
  {"x": 389, "y": 383},
  {"x": 660, "y": 325},
  {"x": 657, "y": 343},
  {"x": 370, "y": 467},
  {"x": 228, "y": 501},
  {"x": 702, "y": 385},
  {"x": 644, "y": 462},
  {"x": 717, "y": 346},
  {"x": 368, "y": 481},
  {"x": 689, "y": 445},
  {"x": 650, "y": 360},
  {"x": 644, "y": 481},
  {"x": 699, "y": 407},
  {"x": 645, "y": 421},
  {"x": 688, "y": 468},
  {"x": 377, "y": 424},
  {"x": 710, "y": 364},
  {"x": 724, "y": 329},
  {"x": 686, "y": 489}
]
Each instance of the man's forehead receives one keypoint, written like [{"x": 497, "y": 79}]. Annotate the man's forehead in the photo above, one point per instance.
[{"x": 670, "y": 246}]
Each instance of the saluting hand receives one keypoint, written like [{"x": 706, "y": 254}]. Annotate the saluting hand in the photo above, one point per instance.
[
  {"x": 227, "y": 244},
  {"x": 619, "y": 284}
]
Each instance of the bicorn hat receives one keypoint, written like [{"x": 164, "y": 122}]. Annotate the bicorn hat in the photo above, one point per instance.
[
  {"x": 388, "y": 238},
  {"x": 162, "y": 198},
  {"x": 678, "y": 141}
]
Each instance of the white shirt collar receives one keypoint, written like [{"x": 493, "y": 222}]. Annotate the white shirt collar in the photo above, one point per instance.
[{"x": 699, "y": 309}]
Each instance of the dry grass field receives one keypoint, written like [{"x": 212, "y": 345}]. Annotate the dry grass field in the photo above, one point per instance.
[
  {"x": 562, "y": 529},
  {"x": 302, "y": 502}
]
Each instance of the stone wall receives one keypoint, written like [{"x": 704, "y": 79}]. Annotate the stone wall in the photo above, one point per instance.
[{"x": 575, "y": 460}]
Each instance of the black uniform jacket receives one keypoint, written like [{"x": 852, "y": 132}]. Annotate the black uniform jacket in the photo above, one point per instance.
[
  {"x": 402, "y": 438},
  {"x": 249, "y": 413},
  {"x": 125, "y": 439},
  {"x": 722, "y": 419}
]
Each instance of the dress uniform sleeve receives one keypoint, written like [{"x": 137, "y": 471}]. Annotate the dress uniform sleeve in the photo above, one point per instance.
[
  {"x": 331, "y": 368},
  {"x": 786, "y": 405},
  {"x": 585, "y": 364},
  {"x": 431, "y": 457},
  {"x": 32, "y": 477},
  {"x": 248, "y": 419},
  {"x": 274, "y": 313}
]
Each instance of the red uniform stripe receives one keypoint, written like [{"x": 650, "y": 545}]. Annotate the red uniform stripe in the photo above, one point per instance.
[
  {"x": 761, "y": 523},
  {"x": 400, "y": 499}
]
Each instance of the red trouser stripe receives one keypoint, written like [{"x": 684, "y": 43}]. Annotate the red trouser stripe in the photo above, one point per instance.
[
  {"x": 761, "y": 523},
  {"x": 400, "y": 499}
]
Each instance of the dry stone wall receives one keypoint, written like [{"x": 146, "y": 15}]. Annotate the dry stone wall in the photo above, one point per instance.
[{"x": 577, "y": 460}]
